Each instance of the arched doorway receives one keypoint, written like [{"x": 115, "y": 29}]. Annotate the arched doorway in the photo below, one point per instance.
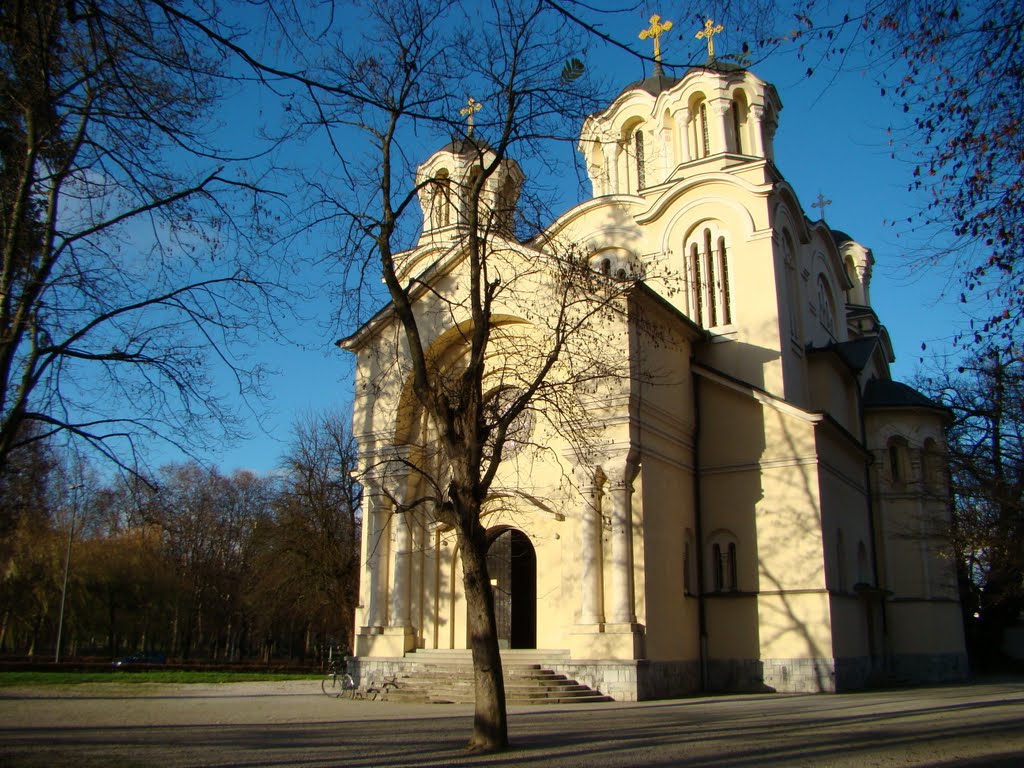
[{"x": 512, "y": 565}]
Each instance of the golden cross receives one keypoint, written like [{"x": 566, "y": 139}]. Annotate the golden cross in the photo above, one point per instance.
[
  {"x": 709, "y": 32},
  {"x": 822, "y": 203},
  {"x": 472, "y": 106},
  {"x": 655, "y": 30}
]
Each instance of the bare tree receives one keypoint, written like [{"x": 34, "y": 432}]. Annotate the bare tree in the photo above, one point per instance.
[
  {"x": 306, "y": 574},
  {"x": 986, "y": 442},
  {"x": 128, "y": 237},
  {"x": 477, "y": 383}
]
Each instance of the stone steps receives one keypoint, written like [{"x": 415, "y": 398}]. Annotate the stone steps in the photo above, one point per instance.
[{"x": 447, "y": 678}]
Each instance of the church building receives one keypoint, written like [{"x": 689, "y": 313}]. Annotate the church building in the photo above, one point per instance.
[{"x": 763, "y": 508}]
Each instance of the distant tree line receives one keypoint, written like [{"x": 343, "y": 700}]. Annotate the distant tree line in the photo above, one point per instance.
[
  {"x": 985, "y": 396},
  {"x": 190, "y": 562}
]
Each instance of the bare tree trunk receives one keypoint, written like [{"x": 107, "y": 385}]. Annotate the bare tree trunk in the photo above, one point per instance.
[{"x": 490, "y": 720}]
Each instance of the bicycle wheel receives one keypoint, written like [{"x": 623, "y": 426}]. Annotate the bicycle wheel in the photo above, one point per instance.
[
  {"x": 348, "y": 685},
  {"x": 331, "y": 685}
]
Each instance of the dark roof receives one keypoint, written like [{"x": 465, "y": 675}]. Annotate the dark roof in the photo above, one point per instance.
[
  {"x": 841, "y": 237},
  {"x": 466, "y": 144},
  {"x": 659, "y": 82},
  {"x": 717, "y": 65},
  {"x": 655, "y": 84},
  {"x": 881, "y": 393},
  {"x": 856, "y": 354}
]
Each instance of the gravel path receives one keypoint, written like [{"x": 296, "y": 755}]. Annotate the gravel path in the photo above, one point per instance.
[{"x": 293, "y": 724}]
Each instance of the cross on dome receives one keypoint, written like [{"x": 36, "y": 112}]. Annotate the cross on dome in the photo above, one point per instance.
[
  {"x": 708, "y": 33},
  {"x": 823, "y": 203},
  {"x": 472, "y": 107},
  {"x": 655, "y": 32}
]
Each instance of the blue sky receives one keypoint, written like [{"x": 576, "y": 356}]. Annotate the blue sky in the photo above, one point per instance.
[{"x": 832, "y": 139}]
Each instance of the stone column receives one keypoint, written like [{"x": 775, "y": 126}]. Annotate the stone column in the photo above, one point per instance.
[
  {"x": 683, "y": 129},
  {"x": 595, "y": 172},
  {"x": 611, "y": 162},
  {"x": 591, "y": 554},
  {"x": 620, "y": 498},
  {"x": 667, "y": 149},
  {"x": 376, "y": 562},
  {"x": 720, "y": 134},
  {"x": 400, "y": 603},
  {"x": 769, "y": 127},
  {"x": 757, "y": 114}
]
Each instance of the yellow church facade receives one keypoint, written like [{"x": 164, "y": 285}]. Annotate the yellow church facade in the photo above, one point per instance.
[{"x": 761, "y": 508}]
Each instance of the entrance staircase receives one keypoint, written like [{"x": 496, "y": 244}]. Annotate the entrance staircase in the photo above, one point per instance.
[{"x": 446, "y": 677}]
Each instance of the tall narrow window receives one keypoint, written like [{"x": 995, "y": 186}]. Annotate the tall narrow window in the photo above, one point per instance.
[
  {"x": 709, "y": 273},
  {"x": 698, "y": 286},
  {"x": 704, "y": 141},
  {"x": 931, "y": 465},
  {"x": 737, "y": 127},
  {"x": 440, "y": 199},
  {"x": 826, "y": 307},
  {"x": 719, "y": 565},
  {"x": 470, "y": 195},
  {"x": 641, "y": 177},
  {"x": 707, "y": 267},
  {"x": 894, "y": 463},
  {"x": 723, "y": 282},
  {"x": 507, "y": 206},
  {"x": 899, "y": 472},
  {"x": 731, "y": 567},
  {"x": 793, "y": 306}
]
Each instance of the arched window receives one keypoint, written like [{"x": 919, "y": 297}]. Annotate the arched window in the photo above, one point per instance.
[
  {"x": 507, "y": 206},
  {"x": 696, "y": 290},
  {"x": 468, "y": 198},
  {"x": 616, "y": 263},
  {"x": 708, "y": 270},
  {"x": 852, "y": 295},
  {"x": 826, "y": 306},
  {"x": 641, "y": 176},
  {"x": 705, "y": 142},
  {"x": 689, "y": 565},
  {"x": 709, "y": 273},
  {"x": 931, "y": 465},
  {"x": 739, "y": 110},
  {"x": 722, "y": 284},
  {"x": 724, "y": 564},
  {"x": 899, "y": 468},
  {"x": 719, "y": 565},
  {"x": 733, "y": 576},
  {"x": 441, "y": 199},
  {"x": 792, "y": 286}
]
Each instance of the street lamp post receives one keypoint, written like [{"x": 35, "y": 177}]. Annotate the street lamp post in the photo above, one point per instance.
[{"x": 67, "y": 567}]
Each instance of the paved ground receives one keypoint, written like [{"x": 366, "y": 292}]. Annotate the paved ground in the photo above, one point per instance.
[{"x": 293, "y": 724}]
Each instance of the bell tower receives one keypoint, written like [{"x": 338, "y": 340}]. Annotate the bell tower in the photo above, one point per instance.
[
  {"x": 446, "y": 180},
  {"x": 659, "y": 129}
]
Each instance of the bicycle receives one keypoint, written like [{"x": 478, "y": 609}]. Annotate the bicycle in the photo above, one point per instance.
[{"x": 338, "y": 682}]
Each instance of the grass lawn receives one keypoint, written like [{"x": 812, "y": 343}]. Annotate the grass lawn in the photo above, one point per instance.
[{"x": 12, "y": 678}]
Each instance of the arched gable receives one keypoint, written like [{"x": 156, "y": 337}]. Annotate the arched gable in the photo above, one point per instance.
[{"x": 442, "y": 353}]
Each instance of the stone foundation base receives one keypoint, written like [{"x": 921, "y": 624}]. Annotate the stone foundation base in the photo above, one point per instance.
[
  {"x": 637, "y": 680},
  {"x": 825, "y": 675},
  {"x": 641, "y": 680},
  {"x": 918, "y": 668}
]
